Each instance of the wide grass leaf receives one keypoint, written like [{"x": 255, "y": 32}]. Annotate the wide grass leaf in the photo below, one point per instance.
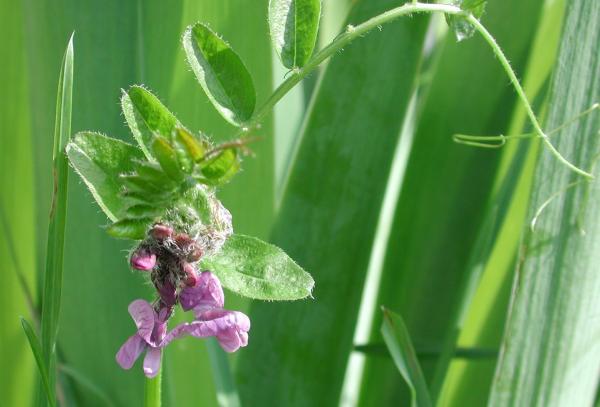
[
  {"x": 221, "y": 73},
  {"x": 550, "y": 354},
  {"x": 17, "y": 208},
  {"x": 99, "y": 160},
  {"x": 435, "y": 228},
  {"x": 329, "y": 210},
  {"x": 256, "y": 269},
  {"x": 294, "y": 26}
]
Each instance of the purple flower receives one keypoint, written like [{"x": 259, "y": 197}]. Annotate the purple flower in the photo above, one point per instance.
[
  {"x": 229, "y": 327},
  {"x": 206, "y": 299},
  {"x": 152, "y": 328},
  {"x": 143, "y": 259}
]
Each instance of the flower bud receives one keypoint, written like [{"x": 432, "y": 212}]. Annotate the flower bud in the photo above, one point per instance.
[
  {"x": 161, "y": 232},
  {"x": 143, "y": 259},
  {"x": 191, "y": 276},
  {"x": 195, "y": 253},
  {"x": 183, "y": 241}
]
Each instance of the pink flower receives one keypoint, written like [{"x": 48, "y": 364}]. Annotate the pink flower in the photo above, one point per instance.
[
  {"x": 152, "y": 327},
  {"x": 206, "y": 299},
  {"x": 229, "y": 327}
]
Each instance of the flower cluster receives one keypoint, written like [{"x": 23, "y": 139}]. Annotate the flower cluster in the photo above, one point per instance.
[{"x": 171, "y": 259}]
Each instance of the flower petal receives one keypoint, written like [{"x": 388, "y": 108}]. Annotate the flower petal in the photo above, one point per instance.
[
  {"x": 130, "y": 351},
  {"x": 152, "y": 362},
  {"x": 144, "y": 316},
  {"x": 229, "y": 327},
  {"x": 205, "y": 295}
]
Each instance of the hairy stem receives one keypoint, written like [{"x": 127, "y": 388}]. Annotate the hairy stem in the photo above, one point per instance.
[
  {"x": 515, "y": 82},
  {"x": 414, "y": 7}
]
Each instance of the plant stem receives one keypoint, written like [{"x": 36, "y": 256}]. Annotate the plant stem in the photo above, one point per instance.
[
  {"x": 515, "y": 82},
  {"x": 152, "y": 391},
  {"x": 352, "y": 32}
]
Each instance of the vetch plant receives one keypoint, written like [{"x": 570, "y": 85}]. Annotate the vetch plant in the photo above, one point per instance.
[{"x": 162, "y": 192}]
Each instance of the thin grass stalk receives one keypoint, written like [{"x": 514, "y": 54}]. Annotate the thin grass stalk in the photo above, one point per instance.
[{"x": 58, "y": 213}]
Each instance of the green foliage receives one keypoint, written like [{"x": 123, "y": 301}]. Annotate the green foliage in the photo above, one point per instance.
[
  {"x": 18, "y": 206},
  {"x": 434, "y": 229},
  {"x": 252, "y": 268},
  {"x": 146, "y": 115},
  {"x": 294, "y": 25},
  {"x": 555, "y": 294},
  {"x": 99, "y": 160},
  {"x": 397, "y": 340},
  {"x": 38, "y": 354},
  {"x": 134, "y": 229},
  {"x": 221, "y": 73},
  {"x": 332, "y": 218},
  {"x": 327, "y": 225},
  {"x": 167, "y": 158},
  {"x": 219, "y": 169},
  {"x": 51, "y": 300},
  {"x": 462, "y": 28}
]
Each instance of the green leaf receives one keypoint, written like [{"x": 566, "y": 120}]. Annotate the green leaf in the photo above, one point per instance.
[
  {"x": 329, "y": 214},
  {"x": 38, "y": 354},
  {"x": 550, "y": 352},
  {"x": 186, "y": 142},
  {"x": 55, "y": 249},
  {"x": 461, "y": 27},
  {"x": 398, "y": 342},
  {"x": 294, "y": 25},
  {"x": 99, "y": 160},
  {"x": 167, "y": 158},
  {"x": 146, "y": 115},
  {"x": 134, "y": 229},
  {"x": 222, "y": 167},
  {"x": 221, "y": 73},
  {"x": 143, "y": 211},
  {"x": 154, "y": 175},
  {"x": 256, "y": 269}
]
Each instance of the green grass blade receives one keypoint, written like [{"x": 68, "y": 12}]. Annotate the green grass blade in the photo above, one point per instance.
[
  {"x": 227, "y": 395},
  {"x": 469, "y": 383},
  {"x": 299, "y": 350},
  {"x": 398, "y": 342},
  {"x": 446, "y": 188},
  {"x": 550, "y": 353},
  {"x": 38, "y": 354},
  {"x": 58, "y": 213},
  {"x": 87, "y": 384}
]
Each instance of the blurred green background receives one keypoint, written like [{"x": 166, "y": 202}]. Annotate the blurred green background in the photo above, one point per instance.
[{"x": 356, "y": 176}]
